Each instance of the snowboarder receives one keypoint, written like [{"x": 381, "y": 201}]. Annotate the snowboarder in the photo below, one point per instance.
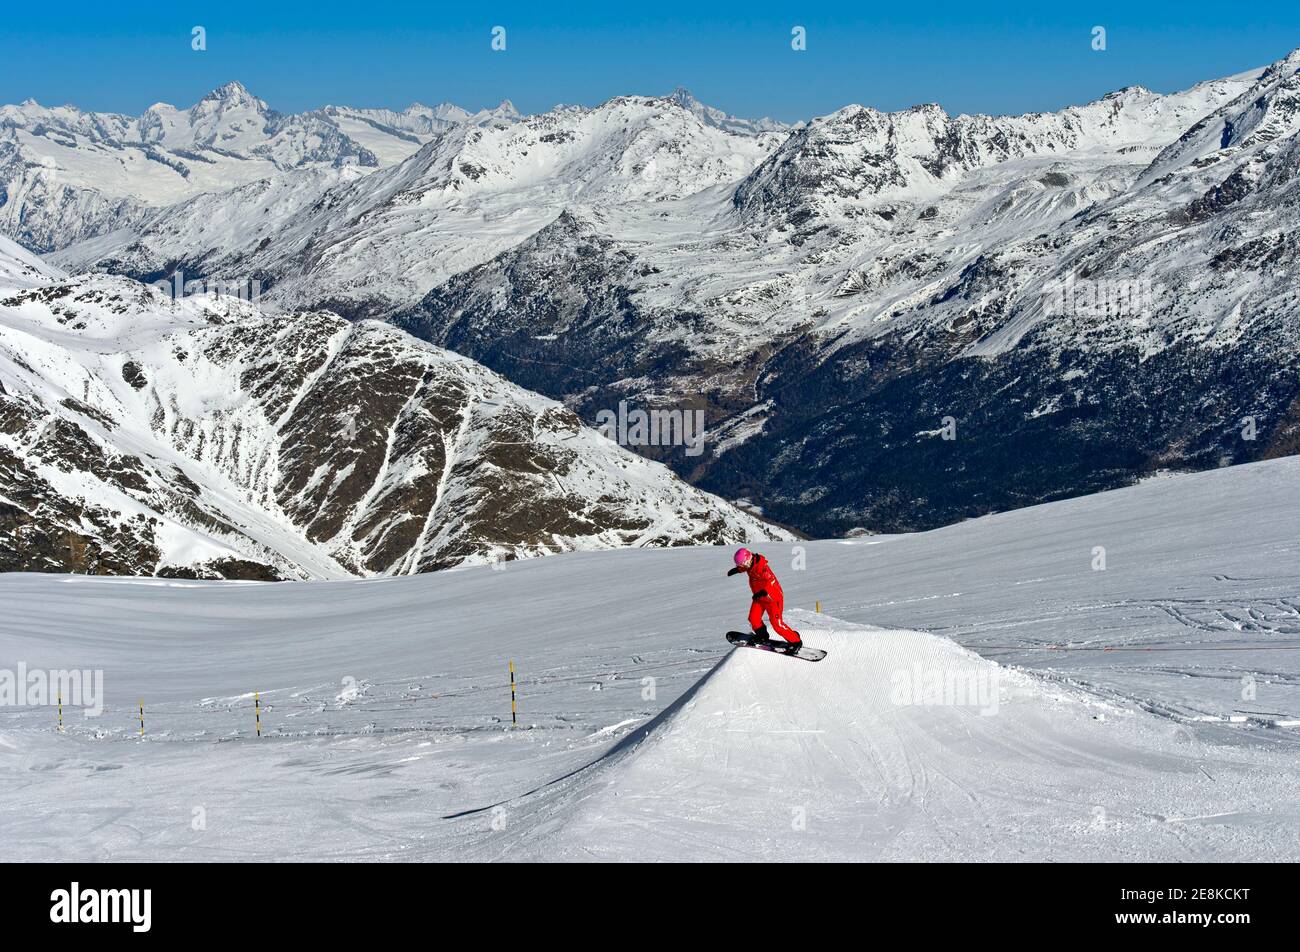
[{"x": 768, "y": 597}]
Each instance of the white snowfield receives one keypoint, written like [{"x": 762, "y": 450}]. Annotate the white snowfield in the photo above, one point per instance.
[{"x": 386, "y": 702}]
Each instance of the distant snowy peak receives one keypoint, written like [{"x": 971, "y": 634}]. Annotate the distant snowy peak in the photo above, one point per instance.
[
  {"x": 233, "y": 94},
  {"x": 451, "y": 195},
  {"x": 224, "y": 113},
  {"x": 417, "y": 119},
  {"x": 1281, "y": 70},
  {"x": 721, "y": 120},
  {"x": 859, "y": 155},
  {"x": 446, "y": 112},
  {"x": 68, "y": 175},
  {"x": 1266, "y": 110},
  {"x": 232, "y": 121},
  {"x": 629, "y": 148},
  {"x": 504, "y": 111}
]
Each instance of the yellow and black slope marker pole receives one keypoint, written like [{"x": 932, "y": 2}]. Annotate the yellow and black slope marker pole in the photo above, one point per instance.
[
  {"x": 257, "y": 711},
  {"x": 142, "y": 718},
  {"x": 60, "y": 712},
  {"x": 514, "y": 708},
  {"x": 819, "y": 608}
]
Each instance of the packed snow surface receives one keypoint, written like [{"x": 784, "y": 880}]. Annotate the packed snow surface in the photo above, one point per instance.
[{"x": 990, "y": 693}]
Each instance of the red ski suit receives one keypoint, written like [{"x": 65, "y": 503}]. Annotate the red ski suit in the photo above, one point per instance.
[{"x": 768, "y": 598}]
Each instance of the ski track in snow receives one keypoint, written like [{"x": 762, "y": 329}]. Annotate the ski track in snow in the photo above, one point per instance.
[{"x": 386, "y": 702}]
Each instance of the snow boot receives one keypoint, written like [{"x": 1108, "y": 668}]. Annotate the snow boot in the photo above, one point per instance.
[
  {"x": 760, "y": 635},
  {"x": 791, "y": 647}
]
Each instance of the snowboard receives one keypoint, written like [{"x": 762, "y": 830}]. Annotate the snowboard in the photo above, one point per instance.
[{"x": 742, "y": 640}]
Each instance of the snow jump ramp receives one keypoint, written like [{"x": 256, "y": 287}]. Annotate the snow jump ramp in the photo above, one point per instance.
[{"x": 899, "y": 746}]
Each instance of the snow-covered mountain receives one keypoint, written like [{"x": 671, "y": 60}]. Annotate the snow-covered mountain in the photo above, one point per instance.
[
  {"x": 1088, "y": 295},
  {"x": 68, "y": 175},
  {"x": 722, "y": 120},
  {"x": 1079, "y": 311},
  {"x": 374, "y": 243},
  {"x": 392, "y": 136},
  {"x": 145, "y": 435}
]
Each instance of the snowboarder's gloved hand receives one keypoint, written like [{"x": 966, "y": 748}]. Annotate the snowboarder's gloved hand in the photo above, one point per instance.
[
  {"x": 736, "y": 571},
  {"x": 761, "y": 593}
]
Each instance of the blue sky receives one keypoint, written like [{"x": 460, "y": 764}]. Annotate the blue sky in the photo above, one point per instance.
[{"x": 969, "y": 57}]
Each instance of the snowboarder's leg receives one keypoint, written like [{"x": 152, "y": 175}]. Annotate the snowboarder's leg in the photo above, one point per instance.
[
  {"x": 774, "y": 607},
  {"x": 756, "y": 616}
]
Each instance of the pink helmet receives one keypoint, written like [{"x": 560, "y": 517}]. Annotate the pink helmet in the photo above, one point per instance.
[{"x": 743, "y": 556}]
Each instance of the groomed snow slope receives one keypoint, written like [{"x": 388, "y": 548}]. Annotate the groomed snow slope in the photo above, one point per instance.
[
  {"x": 841, "y": 761},
  {"x": 386, "y": 701}
]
